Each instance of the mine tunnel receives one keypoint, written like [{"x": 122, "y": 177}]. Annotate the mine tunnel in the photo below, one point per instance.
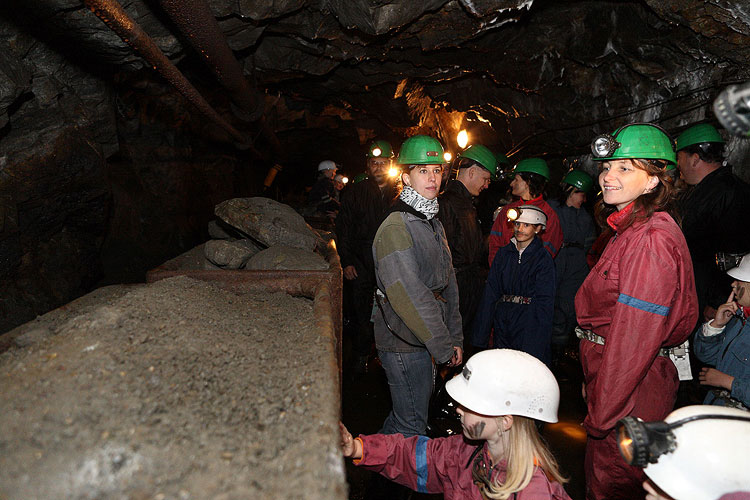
[{"x": 133, "y": 134}]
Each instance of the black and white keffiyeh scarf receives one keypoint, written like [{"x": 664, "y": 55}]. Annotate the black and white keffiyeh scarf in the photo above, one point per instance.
[{"x": 428, "y": 208}]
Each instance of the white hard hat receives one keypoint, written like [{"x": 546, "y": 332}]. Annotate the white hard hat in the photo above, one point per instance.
[
  {"x": 529, "y": 214},
  {"x": 326, "y": 165},
  {"x": 710, "y": 458},
  {"x": 741, "y": 272},
  {"x": 506, "y": 382}
]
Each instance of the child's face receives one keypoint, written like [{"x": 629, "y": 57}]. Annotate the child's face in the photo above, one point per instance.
[
  {"x": 524, "y": 232},
  {"x": 476, "y": 426}
]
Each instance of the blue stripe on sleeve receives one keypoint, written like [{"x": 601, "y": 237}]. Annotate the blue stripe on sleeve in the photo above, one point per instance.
[
  {"x": 549, "y": 245},
  {"x": 496, "y": 233},
  {"x": 421, "y": 462},
  {"x": 643, "y": 305}
]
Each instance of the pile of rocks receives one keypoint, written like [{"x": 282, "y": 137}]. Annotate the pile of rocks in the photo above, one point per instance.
[{"x": 260, "y": 233}]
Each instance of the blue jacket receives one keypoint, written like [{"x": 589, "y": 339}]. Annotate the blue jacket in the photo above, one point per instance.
[
  {"x": 729, "y": 352},
  {"x": 525, "y": 327},
  {"x": 578, "y": 235}
]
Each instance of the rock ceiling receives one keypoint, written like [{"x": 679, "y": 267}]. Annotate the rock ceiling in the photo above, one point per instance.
[{"x": 526, "y": 77}]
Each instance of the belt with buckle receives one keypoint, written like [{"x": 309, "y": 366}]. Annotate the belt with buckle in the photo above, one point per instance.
[
  {"x": 589, "y": 335},
  {"x": 515, "y": 299}
]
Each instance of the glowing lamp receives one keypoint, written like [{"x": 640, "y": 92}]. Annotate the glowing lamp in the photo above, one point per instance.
[{"x": 462, "y": 139}]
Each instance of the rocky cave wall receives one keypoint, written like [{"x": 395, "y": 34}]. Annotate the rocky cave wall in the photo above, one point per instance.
[{"x": 106, "y": 170}]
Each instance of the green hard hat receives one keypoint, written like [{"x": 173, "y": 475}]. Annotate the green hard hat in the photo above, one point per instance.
[
  {"x": 380, "y": 149},
  {"x": 481, "y": 155},
  {"x": 579, "y": 180},
  {"x": 534, "y": 166},
  {"x": 698, "y": 134},
  {"x": 638, "y": 141},
  {"x": 421, "y": 150}
]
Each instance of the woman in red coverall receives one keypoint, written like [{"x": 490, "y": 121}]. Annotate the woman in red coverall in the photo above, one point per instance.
[
  {"x": 531, "y": 175},
  {"x": 637, "y": 301},
  {"x": 501, "y": 393}
]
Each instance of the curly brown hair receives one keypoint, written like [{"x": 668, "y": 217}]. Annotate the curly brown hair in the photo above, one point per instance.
[{"x": 660, "y": 199}]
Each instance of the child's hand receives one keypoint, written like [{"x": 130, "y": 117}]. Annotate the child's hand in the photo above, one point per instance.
[
  {"x": 725, "y": 312},
  {"x": 349, "y": 446},
  {"x": 715, "y": 378},
  {"x": 653, "y": 494}
]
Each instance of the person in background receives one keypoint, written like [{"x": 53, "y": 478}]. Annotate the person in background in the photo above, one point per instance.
[
  {"x": 322, "y": 200},
  {"x": 635, "y": 305},
  {"x": 339, "y": 182},
  {"x": 519, "y": 296},
  {"x": 724, "y": 343},
  {"x": 570, "y": 264},
  {"x": 417, "y": 322},
  {"x": 530, "y": 179},
  {"x": 476, "y": 166},
  {"x": 363, "y": 207},
  {"x": 501, "y": 394},
  {"x": 710, "y": 211}
]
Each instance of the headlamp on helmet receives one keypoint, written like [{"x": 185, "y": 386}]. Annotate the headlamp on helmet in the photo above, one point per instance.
[
  {"x": 530, "y": 214},
  {"x": 642, "y": 443},
  {"x": 604, "y": 146}
]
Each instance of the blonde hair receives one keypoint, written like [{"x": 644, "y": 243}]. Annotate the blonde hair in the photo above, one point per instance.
[{"x": 524, "y": 452}]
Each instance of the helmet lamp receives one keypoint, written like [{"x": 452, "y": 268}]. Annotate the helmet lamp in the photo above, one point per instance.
[
  {"x": 513, "y": 214},
  {"x": 392, "y": 172},
  {"x": 377, "y": 151},
  {"x": 604, "y": 146},
  {"x": 642, "y": 443}
]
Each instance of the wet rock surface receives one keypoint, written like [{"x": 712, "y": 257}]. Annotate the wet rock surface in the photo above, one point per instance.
[{"x": 176, "y": 389}]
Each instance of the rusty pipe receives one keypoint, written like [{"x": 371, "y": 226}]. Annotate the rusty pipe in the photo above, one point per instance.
[
  {"x": 194, "y": 20},
  {"x": 197, "y": 23},
  {"x": 115, "y": 17}
]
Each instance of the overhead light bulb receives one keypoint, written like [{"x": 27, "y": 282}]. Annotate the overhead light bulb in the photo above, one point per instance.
[
  {"x": 392, "y": 172},
  {"x": 462, "y": 139},
  {"x": 447, "y": 156}
]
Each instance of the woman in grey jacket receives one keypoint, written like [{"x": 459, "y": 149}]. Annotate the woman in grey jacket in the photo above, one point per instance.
[{"x": 417, "y": 323}]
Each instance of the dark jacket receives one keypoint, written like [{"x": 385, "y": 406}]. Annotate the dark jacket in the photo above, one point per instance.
[
  {"x": 322, "y": 197},
  {"x": 522, "y": 326},
  {"x": 712, "y": 215},
  {"x": 412, "y": 262},
  {"x": 363, "y": 207},
  {"x": 459, "y": 218}
]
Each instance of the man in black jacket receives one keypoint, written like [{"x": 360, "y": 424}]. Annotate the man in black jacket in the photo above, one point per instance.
[
  {"x": 476, "y": 166},
  {"x": 363, "y": 206},
  {"x": 713, "y": 212}
]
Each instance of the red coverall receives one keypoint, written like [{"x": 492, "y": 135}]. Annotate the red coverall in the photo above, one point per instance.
[
  {"x": 502, "y": 229},
  {"x": 640, "y": 297},
  {"x": 440, "y": 466}
]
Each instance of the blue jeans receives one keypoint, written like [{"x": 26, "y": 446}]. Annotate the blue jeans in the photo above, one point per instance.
[{"x": 411, "y": 377}]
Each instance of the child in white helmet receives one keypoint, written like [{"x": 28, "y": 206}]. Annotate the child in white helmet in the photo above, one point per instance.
[
  {"x": 501, "y": 393},
  {"x": 519, "y": 298},
  {"x": 724, "y": 343}
]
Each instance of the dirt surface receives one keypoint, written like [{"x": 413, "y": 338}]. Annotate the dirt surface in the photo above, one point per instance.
[{"x": 173, "y": 390}]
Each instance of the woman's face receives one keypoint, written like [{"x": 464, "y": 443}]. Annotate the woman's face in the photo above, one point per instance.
[
  {"x": 576, "y": 199},
  {"x": 425, "y": 179},
  {"x": 622, "y": 182},
  {"x": 741, "y": 292},
  {"x": 520, "y": 187},
  {"x": 476, "y": 426}
]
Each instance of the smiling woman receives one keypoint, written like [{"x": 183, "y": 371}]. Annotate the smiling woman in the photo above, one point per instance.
[{"x": 636, "y": 304}]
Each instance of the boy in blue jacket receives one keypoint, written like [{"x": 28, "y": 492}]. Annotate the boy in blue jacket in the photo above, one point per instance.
[{"x": 519, "y": 296}]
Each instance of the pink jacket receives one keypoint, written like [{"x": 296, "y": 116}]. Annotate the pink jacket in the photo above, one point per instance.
[
  {"x": 640, "y": 297},
  {"x": 441, "y": 465},
  {"x": 502, "y": 230}
]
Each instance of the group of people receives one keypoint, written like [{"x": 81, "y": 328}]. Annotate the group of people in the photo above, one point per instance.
[{"x": 633, "y": 311}]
